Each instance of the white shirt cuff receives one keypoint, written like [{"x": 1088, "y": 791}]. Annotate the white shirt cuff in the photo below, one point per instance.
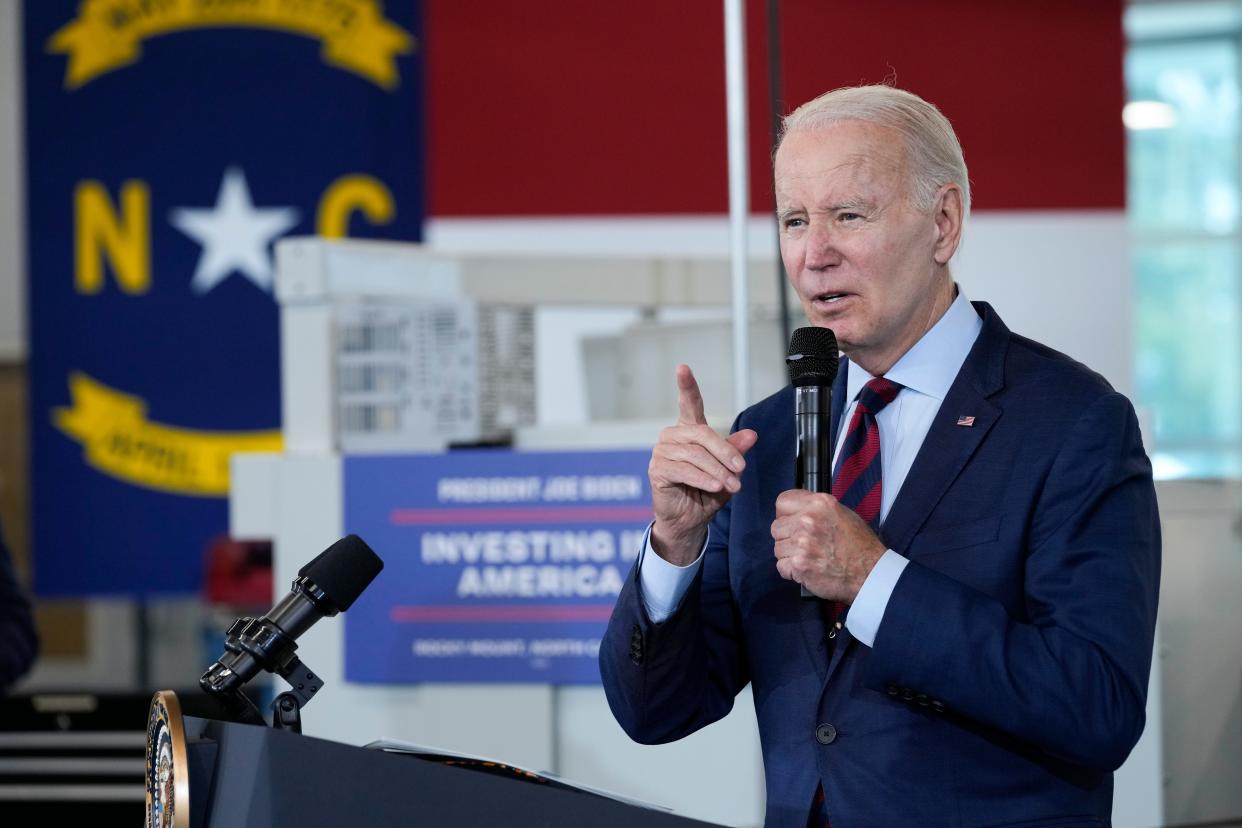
[
  {"x": 867, "y": 611},
  {"x": 664, "y": 584}
]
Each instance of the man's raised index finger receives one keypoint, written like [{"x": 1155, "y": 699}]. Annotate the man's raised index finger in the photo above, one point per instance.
[{"x": 689, "y": 400}]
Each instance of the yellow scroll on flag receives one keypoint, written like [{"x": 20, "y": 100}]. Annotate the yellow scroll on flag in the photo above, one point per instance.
[
  {"x": 121, "y": 442},
  {"x": 108, "y": 34}
]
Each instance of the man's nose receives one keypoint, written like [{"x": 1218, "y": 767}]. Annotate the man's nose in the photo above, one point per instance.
[{"x": 821, "y": 247}]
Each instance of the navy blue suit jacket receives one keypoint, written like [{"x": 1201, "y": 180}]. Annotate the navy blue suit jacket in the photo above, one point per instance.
[
  {"x": 1008, "y": 678},
  {"x": 18, "y": 641}
]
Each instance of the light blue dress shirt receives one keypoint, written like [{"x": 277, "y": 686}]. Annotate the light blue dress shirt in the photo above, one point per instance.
[{"x": 926, "y": 370}]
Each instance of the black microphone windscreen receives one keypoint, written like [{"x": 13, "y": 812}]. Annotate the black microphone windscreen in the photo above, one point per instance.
[
  {"x": 343, "y": 570},
  {"x": 812, "y": 356}
]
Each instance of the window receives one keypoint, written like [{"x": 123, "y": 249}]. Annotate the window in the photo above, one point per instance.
[{"x": 1185, "y": 211}]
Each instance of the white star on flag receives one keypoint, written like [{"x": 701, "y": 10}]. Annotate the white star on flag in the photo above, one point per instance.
[{"x": 235, "y": 236}]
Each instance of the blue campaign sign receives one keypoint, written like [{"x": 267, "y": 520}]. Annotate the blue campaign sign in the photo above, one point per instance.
[
  {"x": 498, "y": 565},
  {"x": 169, "y": 145}
]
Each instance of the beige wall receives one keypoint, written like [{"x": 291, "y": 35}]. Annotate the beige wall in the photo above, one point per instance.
[{"x": 14, "y": 457}]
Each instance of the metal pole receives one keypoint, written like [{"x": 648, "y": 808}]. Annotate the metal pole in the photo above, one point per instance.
[
  {"x": 739, "y": 201},
  {"x": 777, "y": 109}
]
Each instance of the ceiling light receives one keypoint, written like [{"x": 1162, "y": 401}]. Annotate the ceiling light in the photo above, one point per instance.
[{"x": 1148, "y": 115}]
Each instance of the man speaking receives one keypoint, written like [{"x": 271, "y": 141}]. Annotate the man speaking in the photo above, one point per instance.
[{"x": 984, "y": 575}]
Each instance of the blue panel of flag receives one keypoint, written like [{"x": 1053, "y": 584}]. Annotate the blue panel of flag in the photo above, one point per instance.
[{"x": 169, "y": 145}]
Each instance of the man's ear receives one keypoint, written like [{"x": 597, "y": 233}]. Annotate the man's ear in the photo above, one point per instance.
[{"x": 948, "y": 215}]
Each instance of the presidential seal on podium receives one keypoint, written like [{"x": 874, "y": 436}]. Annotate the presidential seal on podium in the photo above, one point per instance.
[{"x": 168, "y": 774}]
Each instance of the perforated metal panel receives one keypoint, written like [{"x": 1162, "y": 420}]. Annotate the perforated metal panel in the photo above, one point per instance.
[{"x": 418, "y": 375}]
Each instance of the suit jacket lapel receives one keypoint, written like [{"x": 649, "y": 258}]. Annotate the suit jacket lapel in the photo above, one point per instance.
[
  {"x": 839, "y": 403},
  {"x": 775, "y": 478},
  {"x": 778, "y": 477},
  {"x": 811, "y": 610},
  {"x": 948, "y": 445}
]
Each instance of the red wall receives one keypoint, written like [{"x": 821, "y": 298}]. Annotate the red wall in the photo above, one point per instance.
[{"x": 563, "y": 107}]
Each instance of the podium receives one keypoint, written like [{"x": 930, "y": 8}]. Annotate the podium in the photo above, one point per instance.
[{"x": 207, "y": 773}]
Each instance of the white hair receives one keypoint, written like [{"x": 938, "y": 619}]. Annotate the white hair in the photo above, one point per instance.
[{"x": 932, "y": 148}]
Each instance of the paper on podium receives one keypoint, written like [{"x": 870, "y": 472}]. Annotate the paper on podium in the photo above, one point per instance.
[{"x": 499, "y": 768}]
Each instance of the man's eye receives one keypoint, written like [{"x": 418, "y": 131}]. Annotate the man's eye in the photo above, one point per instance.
[
  {"x": 792, "y": 223},
  {"x": 849, "y": 217}
]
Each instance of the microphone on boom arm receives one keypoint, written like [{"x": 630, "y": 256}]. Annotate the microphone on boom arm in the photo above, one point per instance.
[{"x": 327, "y": 585}]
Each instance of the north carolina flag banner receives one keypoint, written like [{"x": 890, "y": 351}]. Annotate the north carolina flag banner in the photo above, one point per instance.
[{"x": 169, "y": 145}]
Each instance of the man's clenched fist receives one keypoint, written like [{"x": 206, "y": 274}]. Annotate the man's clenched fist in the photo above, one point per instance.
[{"x": 823, "y": 545}]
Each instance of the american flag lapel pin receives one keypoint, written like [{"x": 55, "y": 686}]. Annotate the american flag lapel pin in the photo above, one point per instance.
[{"x": 965, "y": 421}]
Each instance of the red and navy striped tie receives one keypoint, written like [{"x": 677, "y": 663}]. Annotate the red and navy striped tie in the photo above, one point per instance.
[
  {"x": 858, "y": 484},
  {"x": 857, "y": 481}
]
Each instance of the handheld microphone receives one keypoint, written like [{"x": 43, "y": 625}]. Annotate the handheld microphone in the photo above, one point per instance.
[
  {"x": 812, "y": 360},
  {"x": 327, "y": 585}
]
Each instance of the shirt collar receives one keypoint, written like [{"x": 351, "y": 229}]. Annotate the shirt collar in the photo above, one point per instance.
[{"x": 931, "y": 365}]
